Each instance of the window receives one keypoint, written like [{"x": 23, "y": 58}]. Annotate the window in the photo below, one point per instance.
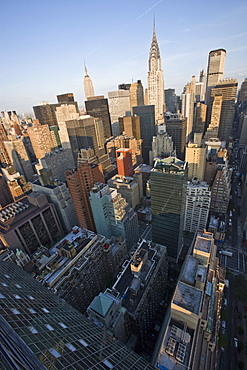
[
  {"x": 4, "y": 284},
  {"x": 45, "y": 310},
  {"x": 30, "y": 297},
  {"x": 71, "y": 347},
  {"x": 85, "y": 344},
  {"x": 15, "y": 311},
  {"x": 54, "y": 352},
  {"x": 49, "y": 327},
  {"x": 18, "y": 286},
  {"x": 31, "y": 310},
  {"x": 17, "y": 296},
  {"x": 62, "y": 325},
  {"x": 32, "y": 330},
  {"x": 7, "y": 276},
  {"x": 1, "y": 296}
]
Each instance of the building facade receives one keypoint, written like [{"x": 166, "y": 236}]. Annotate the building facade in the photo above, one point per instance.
[
  {"x": 168, "y": 194},
  {"x": 113, "y": 215},
  {"x": 197, "y": 206}
]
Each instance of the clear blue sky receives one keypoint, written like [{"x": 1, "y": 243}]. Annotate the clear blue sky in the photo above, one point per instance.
[{"x": 44, "y": 44}]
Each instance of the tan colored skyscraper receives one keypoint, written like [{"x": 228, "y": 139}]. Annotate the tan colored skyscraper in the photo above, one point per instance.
[
  {"x": 228, "y": 89},
  {"x": 40, "y": 137},
  {"x": 213, "y": 128},
  {"x": 156, "y": 93},
  {"x": 136, "y": 94},
  {"x": 200, "y": 117},
  {"x": 196, "y": 158},
  {"x": 88, "y": 85}
]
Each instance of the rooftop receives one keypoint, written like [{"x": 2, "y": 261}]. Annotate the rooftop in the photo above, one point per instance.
[
  {"x": 203, "y": 243},
  {"x": 188, "y": 297}
]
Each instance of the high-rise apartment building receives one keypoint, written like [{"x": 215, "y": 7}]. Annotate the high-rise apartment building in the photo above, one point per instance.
[
  {"x": 136, "y": 94},
  {"x": 176, "y": 128},
  {"x": 168, "y": 193},
  {"x": 5, "y": 194},
  {"x": 156, "y": 94},
  {"x": 147, "y": 126},
  {"x": 58, "y": 194},
  {"x": 113, "y": 215},
  {"x": 141, "y": 286},
  {"x": 98, "y": 107},
  {"x": 197, "y": 206},
  {"x": 65, "y": 98},
  {"x": 200, "y": 117},
  {"x": 125, "y": 141},
  {"x": 93, "y": 260},
  {"x": 189, "y": 340},
  {"x": 119, "y": 106},
  {"x": 221, "y": 187},
  {"x": 195, "y": 156},
  {"x": 243, "y": 91},
  {"x": 80, "y": 181},
  {"x": 188, "y": 100},
  {"x": 29, "y": 223},
  {"x": 216, "y": 63},
  {"x": 54, "y": 335},
  {"x": 213, "y": 127},
  {"x": 170, "y": 99},
  {"x": 129, "y": 187},
  {"x": 226, "y": 88},
  {"x": 162, "y": 144},
  {"x": 88, "y": 85},
  {"x": 40, "y": 137},
  {"x": 130, "y": 126},
  {"x": 124, "y": 162},
  {"x": 46, "y": 112},
  {"x": 19, "y": 157},
  {"x": 85, "y": 132}
]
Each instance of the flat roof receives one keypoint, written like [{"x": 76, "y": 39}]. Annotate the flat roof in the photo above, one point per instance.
[
  {"x": 188, "y": 297},
  {"x": 203, "y": 244},
  {"x": 190, "y": 269}
]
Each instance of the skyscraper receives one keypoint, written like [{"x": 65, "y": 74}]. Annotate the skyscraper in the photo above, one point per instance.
[
  {"x": 113, "y": 215},
  {"x": 124, "y": 162},
  {"x": 97, "y": 107},
  {"x": 136, "y": 94},
  {"x": 216, "y": 63},
  {"x": 88, "y": 85},
  {"x": 41, "y": 331},
  {"x": 147, "y": 125},
  {"x": 156, "y": 94},
  {"x": 80, "y": 181},
  {"x": 227, "y": 88},
  {"x": 168, "y": 193},
  {"x": 41, "y": 139},
  {"x": 176, "y": 128}
]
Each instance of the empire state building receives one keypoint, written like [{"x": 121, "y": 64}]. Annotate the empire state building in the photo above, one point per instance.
[{"x": 156, "y": 94}]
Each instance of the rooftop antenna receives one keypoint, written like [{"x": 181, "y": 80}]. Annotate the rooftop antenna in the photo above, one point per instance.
[{"x": 85, "y": 68}]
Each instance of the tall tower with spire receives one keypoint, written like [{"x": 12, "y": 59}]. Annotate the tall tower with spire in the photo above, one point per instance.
[
  {"x": 88, "y": 85},
  {"x": 156, "y": 94}
]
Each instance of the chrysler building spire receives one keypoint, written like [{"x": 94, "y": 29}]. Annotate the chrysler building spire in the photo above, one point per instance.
[
  {"x": 88, "y": 85},
  {"x": 156, "y": 94}
]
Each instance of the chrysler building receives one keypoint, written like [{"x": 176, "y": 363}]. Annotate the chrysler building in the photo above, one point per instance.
[{"x": 156, "y": 94}]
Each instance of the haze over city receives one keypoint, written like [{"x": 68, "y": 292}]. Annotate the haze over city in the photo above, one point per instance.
[{"x": 45, "y": 44}]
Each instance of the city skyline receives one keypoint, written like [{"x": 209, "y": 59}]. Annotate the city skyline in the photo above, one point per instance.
[{"x": 45, "y": 47}]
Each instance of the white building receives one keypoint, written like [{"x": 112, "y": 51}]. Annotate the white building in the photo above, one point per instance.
[{"x": 197, "y": 207}]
